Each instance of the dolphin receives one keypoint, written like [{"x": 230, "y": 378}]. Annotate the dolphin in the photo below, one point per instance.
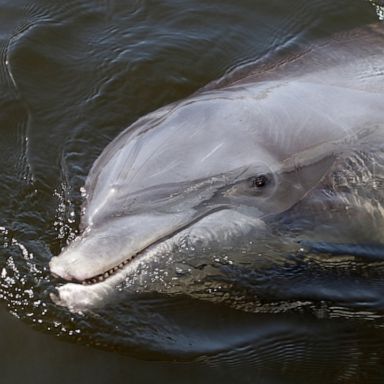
[{"x": 288, "y": 150}]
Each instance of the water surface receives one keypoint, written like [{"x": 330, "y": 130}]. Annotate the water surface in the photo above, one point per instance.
[{"x": 72, "y": 76}]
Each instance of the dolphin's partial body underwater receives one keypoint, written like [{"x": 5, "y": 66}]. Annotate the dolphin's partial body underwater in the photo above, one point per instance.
[{"x": 276, "y": 158}]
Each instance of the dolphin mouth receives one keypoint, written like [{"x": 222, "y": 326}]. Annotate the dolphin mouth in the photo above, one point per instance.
[
  {"x": 113, "y": 271},
  {"x": 219, "y": 226},
  {"x": 63, "y": 269},
  {"x": 101, "y": 277},
  {"x": 104, "y": 276}
]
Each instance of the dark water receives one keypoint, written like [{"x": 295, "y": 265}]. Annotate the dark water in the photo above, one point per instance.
[{"x": 72, "y": 76}]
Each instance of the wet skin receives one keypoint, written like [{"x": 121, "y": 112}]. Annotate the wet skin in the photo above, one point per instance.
[{"x": 290, "y": 148}]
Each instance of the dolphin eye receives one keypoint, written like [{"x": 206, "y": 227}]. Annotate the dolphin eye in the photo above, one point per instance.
[{"x": 259, "y": 181}]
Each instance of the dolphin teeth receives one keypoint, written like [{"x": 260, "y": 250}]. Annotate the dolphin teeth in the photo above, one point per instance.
[{"x": 107, "y": 274}]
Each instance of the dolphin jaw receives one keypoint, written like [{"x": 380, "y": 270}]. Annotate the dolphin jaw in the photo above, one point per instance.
[
  {"x": 71, "y": 265},
  {"x": 62, "y": 270},
  {"x": 101, "y": 251},
  {"x": 81, "y": 264},
  {"x": 79, "y": 296}
]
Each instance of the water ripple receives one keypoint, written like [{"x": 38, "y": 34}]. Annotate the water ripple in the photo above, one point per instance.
[{"x": 73, "y": 75}]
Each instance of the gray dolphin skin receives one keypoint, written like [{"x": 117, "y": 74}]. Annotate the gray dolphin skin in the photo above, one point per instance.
[{"x": 291, "y": 145}]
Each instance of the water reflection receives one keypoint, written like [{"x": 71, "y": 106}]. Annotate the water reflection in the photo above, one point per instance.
[
  {"x": 291, "y": 349},
  {"x": 379, "y": 5}
]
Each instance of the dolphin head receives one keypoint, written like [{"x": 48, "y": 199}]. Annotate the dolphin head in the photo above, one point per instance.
[{"x": 212, "y": 171}]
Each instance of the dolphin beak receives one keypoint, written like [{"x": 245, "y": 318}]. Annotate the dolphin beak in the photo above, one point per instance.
[{"x": 101, "y": 250}]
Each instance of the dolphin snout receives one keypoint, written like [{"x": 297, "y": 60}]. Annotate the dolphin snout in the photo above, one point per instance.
[
  {"x": 101, "y": 251},
  {"x": 59, "y": 269}
]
